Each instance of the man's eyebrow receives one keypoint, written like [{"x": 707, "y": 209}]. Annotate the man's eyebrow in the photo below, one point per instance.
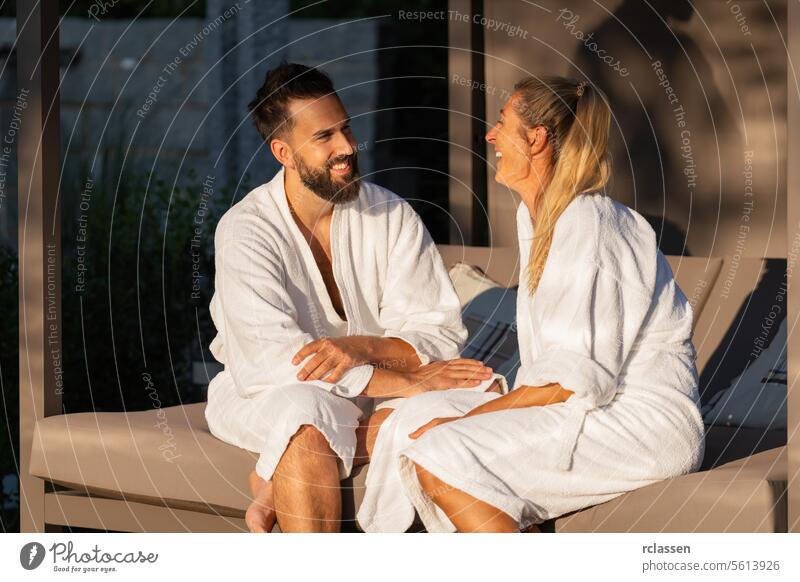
[
  {"x": 323, "y": 132},
  {"x": 329, "y": 130}
]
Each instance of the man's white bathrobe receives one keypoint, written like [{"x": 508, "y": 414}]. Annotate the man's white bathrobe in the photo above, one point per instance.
[
  {"x": 270, "y": 300},
  {"x": 606, "y": 322}
]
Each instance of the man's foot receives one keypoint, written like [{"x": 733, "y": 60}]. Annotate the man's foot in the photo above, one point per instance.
[{"x": 260, "y": 516}]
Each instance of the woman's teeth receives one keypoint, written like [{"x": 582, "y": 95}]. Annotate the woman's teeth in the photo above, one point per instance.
[{"x": 498, "y": 154}]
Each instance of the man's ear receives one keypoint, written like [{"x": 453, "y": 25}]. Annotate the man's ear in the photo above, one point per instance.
[
  {"x": 537, "y": 140},
  {"x": 282, "y": 152}
]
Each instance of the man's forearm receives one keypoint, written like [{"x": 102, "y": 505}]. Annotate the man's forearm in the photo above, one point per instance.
[
  {"x": 392, "y": 353},
  {"x": 390, "y": 384},
  {"x": 524, "y": 397}
]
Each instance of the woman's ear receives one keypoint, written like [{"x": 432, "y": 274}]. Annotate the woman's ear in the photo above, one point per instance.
[
  {"x": 537, "y": 140},
  {"x": 282, "y": 152}
]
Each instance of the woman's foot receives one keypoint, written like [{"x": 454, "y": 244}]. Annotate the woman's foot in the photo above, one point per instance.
[{"x": 260, "y": 516}]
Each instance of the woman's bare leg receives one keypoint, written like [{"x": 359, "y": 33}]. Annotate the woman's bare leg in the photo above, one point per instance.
[
  {"x": 261, "y": 516},
  {"x": 467, "y": 513}
]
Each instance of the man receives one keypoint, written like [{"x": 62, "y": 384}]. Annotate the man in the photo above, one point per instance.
[{"x": 329, "y": 294}]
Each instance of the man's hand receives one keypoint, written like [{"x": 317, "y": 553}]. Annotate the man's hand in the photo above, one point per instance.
[
  {"x": 434, "y": 423},
  {"x": 444, "y": 374},
  {"x": 332, "y": 357}
]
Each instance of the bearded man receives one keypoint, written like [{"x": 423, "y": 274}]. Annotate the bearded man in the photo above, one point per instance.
[{"x": 330, "y": 297}]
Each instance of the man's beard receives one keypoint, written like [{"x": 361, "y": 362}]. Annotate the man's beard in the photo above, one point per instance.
[{"x": 323, "y": 184}]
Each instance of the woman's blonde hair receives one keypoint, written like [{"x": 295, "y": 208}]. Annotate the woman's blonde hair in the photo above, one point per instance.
[{"x": 577, "y": 119}]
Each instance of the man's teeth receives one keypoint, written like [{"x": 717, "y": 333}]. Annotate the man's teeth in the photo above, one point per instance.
[
  {"x": 498, "y": 154},
  {"x": 342, "y": 166}
]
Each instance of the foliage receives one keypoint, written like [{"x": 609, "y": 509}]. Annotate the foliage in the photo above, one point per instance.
[
  {"x": 9, "y": 377},
  {"x": 138, "y": 306}
]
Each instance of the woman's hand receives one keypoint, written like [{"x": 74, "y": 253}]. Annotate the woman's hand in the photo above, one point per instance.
[
  {"x": 434, "y": 423},
  {"x": 332, "y": 357},
  {"x": 445, "y": 374}
]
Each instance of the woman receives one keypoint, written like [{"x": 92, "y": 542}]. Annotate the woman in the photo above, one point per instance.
[{"x": 606, "y": 397}]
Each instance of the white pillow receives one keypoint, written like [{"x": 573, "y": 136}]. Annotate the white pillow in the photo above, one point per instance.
[
  {"x": 470, "y": 282},
  {"x": 489, "y": 313},
  {"x": 757, "y": 397}
]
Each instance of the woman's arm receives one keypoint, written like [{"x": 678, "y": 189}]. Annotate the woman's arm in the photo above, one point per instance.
[{"x": 522, "y": 397}]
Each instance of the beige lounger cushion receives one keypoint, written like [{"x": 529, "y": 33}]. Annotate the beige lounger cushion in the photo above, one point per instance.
[
  {"x": 748, "y": 495},
  {"x": 108, "y": 453}
]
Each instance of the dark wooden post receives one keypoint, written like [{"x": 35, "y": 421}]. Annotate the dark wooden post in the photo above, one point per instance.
[
  {"x": 40, "y": 354},
  {"x": 792, "y": 232}
]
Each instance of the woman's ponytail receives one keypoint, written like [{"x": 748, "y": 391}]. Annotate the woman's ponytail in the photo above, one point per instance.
[{"x": 577, "y": 118}]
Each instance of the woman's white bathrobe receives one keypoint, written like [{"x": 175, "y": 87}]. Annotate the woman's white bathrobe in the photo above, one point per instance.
[
  {"x": 270, "y": 300},
  {"x": 606, "y": 322}
]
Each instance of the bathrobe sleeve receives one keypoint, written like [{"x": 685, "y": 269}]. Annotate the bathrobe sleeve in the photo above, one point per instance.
[
  {"x": 586, "y": 320},
  {"x": 260, "y": 333},
  {"x": 419, "y": 304}
]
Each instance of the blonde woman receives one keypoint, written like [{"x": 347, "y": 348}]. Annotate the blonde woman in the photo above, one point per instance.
[{"x": 606, "y": 399}]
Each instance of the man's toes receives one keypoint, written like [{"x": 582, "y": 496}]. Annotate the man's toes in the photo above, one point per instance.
[{"x": 256, "y": 521}]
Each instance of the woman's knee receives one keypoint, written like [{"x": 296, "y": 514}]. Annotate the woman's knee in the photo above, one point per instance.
[{"x": 430, "y": 483}]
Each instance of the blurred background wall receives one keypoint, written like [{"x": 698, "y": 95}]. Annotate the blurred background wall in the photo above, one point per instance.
[{"x": 698, "y": 92}]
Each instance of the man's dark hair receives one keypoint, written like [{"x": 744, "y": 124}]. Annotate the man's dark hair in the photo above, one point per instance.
[{"x": 270, "y": 108}]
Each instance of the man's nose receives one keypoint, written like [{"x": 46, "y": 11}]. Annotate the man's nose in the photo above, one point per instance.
[{"x": 345, "y": 145}]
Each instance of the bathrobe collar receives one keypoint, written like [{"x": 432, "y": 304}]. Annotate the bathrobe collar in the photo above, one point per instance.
[{"x": 339, "y": 233}]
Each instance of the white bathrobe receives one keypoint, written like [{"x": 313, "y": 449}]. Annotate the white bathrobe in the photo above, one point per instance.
[
  {"x": 607, "y": 322},
  {"x": 270, "y": 300}
]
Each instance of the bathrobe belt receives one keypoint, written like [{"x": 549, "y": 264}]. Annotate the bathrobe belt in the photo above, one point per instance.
[{"x": 571, "y": 430}]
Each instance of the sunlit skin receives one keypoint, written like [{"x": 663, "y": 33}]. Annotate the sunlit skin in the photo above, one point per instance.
[
  {"x": 303, "y": 494},
  {"x": 525, "y": 165},
  {"x": 525, "y": 162}
]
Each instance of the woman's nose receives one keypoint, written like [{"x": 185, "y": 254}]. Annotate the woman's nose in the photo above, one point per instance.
[{"x": 491, "y": 135}]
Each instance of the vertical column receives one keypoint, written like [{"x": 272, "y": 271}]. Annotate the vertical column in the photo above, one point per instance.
[
  {"x": 40, "y": 357},
  {"x": 459, "y": 77},
  {"x": 480, "y": 202},
  {"x": 792, "y": 235}
]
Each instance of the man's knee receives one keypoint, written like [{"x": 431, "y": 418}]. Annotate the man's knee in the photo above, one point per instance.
[
  {"x": 309, "y": 440},
  {"x": 308, "y": 457}
]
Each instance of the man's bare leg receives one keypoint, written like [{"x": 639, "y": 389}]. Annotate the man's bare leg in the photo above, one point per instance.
[
  {"x": 261, "y": 516},
  {"x": 306, "y": 484},
  {"x": 367, "y": 434}
]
